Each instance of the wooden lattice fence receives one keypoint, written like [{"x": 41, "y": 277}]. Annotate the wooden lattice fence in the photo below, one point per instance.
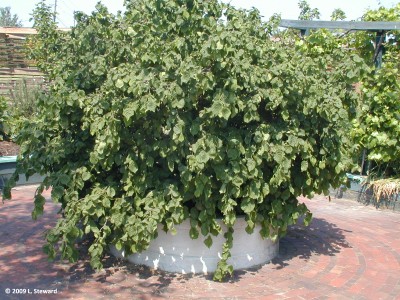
[{"x": 15, "y": 68}]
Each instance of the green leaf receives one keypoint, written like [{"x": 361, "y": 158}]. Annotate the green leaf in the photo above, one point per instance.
[
  {"x": 225, "y": 113},
  {"x": 193, "y": 233},
  {"x": 119, "y": 83},
  {"x": 39, "y": 204},
  {"x": 233, "y": 153},
  {"x": 106, "y": 203},
  {"x": 118, "y": 245},
  {"x": 250, "y": 227},
  {"x": 151, "y": 104},
  {"x": 208, "y": 241},
  {"x": 129, "y": 111},
  {"x": 237, "y": 181},
  {"x": 251, "y": 165},
  {"x": 304, "y": 166},
  {"x": 64, "y": 179},
  {"x": 86, "y": 175},
  {"x": 308, "y": 219},
  {"x": 248, "y": 206},
  {"x": 202, "y": 157}
]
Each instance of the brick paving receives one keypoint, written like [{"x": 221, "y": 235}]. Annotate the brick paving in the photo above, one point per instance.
[{"x": 350, "y": 251}]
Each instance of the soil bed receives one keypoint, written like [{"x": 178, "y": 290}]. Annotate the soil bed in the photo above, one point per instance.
[{"x": 8, "y": 148}]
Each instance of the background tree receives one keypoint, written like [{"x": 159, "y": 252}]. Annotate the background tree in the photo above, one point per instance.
[
  {"x": 338, "y": 14},
  {"x": 306, "y": 12},
  {"x": 7, "y": 19}
]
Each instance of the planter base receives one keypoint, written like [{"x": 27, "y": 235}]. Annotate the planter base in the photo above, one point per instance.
[{"x": 180, "y": 254}]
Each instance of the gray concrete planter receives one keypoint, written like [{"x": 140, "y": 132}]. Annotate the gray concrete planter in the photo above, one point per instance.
[
  {"x": 180, "y": 254},
  {"x": 7, "y": 168},
  {"x": 356, "y": 181}
]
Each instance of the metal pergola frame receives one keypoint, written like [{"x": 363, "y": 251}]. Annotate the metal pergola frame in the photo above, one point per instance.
[
  {"x": 379, "y": 27},
  {"x": 346, "y": 25}
]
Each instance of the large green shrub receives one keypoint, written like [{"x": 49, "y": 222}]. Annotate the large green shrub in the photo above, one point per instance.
[{"x": 182, "y": 110}]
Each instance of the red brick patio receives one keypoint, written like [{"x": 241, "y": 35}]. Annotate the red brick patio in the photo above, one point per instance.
[{"x": 349, "y": 252}]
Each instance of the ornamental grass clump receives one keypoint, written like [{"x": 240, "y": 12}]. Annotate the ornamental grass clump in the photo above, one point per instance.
[
  {"x": 182, "y": 110},
  {"x": 384, "y": 189}
]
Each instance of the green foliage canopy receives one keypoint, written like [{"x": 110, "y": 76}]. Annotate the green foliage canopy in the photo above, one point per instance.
[{"x": 182, "y": 110}]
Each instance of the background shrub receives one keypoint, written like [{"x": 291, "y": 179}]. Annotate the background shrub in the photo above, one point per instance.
[
  {"x": 22, "y": 106},
  {"x": 3, "y": 118},
  {"x": 377, "y": 127}
]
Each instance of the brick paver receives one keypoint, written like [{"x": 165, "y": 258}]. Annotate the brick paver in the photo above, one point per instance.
[{"x": 349, "y": 252}]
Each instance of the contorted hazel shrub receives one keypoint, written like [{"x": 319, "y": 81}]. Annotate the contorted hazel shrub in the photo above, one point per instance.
[{"x": 181, "y": 110}]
